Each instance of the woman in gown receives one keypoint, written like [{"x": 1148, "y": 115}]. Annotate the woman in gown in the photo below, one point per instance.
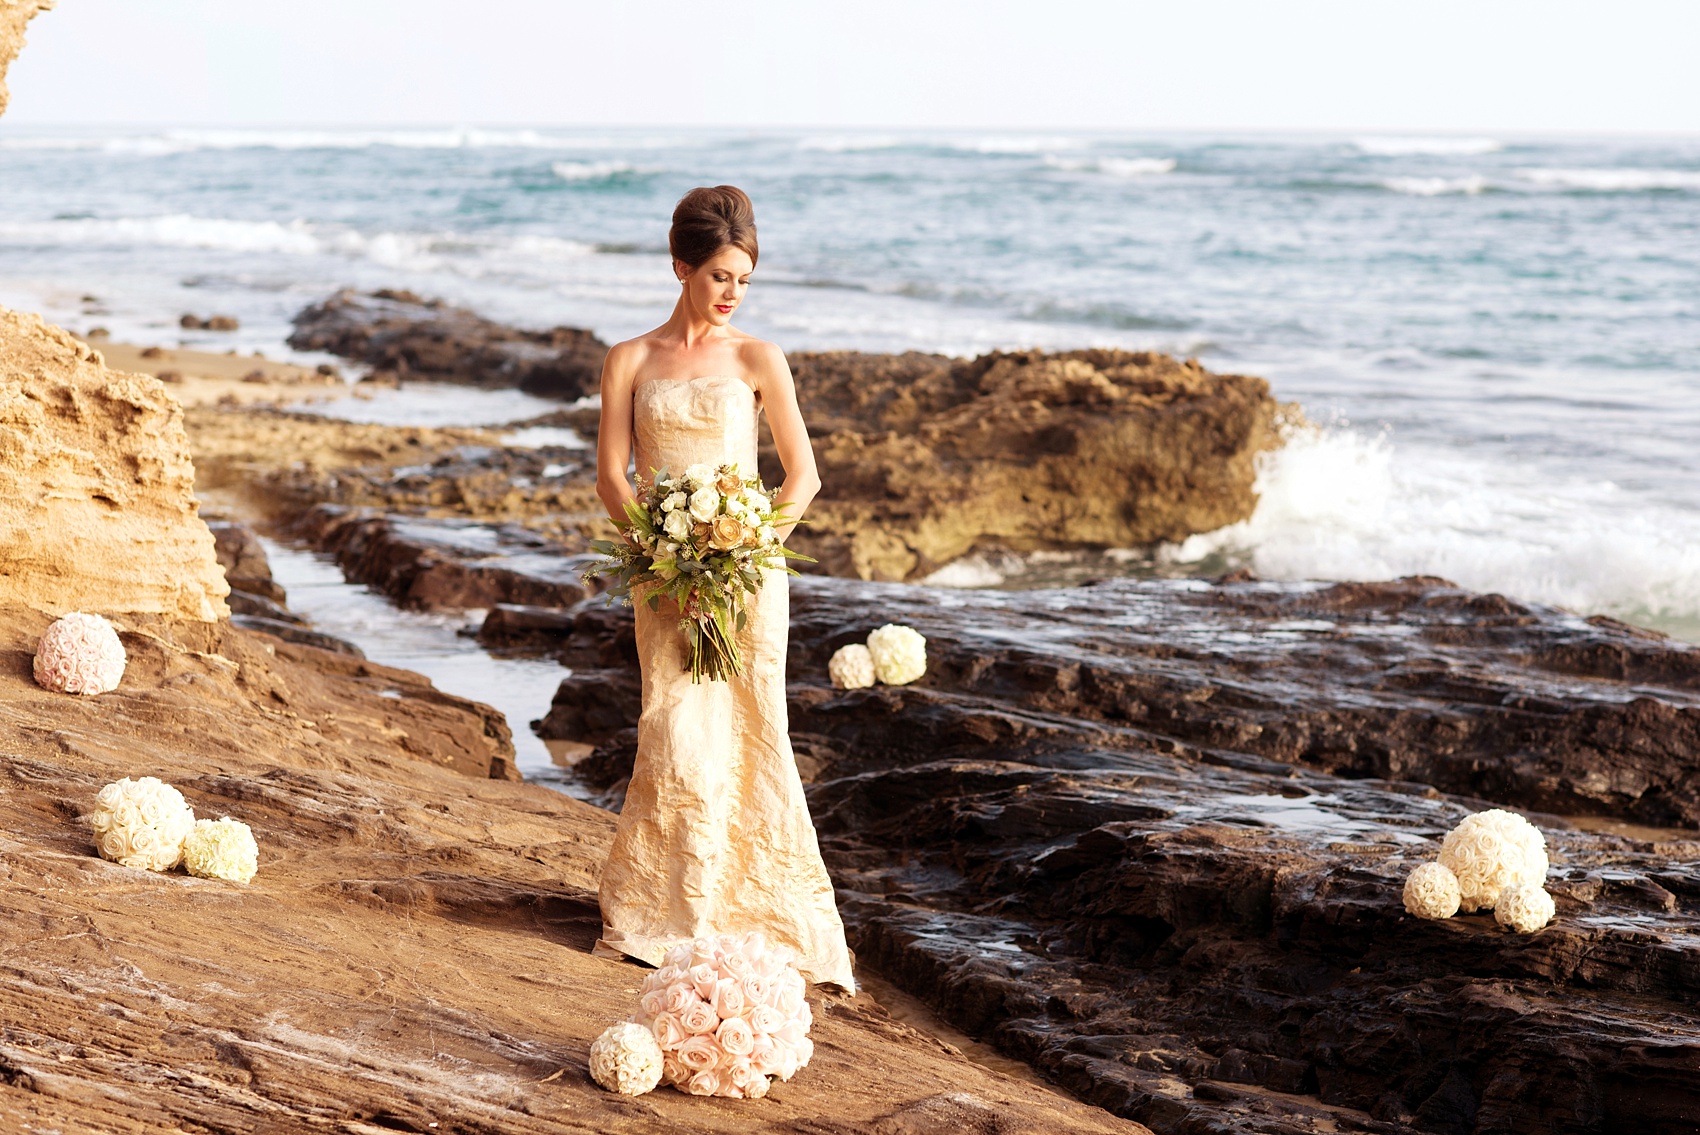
[{"x": 715, "y": 836}]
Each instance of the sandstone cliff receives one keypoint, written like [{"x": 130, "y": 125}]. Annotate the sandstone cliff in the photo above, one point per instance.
[
  {"x": 97, "y": 504},
  {"x": 14, "y": 14}
]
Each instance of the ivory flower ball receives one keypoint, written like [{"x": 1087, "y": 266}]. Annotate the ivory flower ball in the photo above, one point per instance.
[
  {"x": 141, "y": 823},
  {"x": 626, "y": 1059},
  {"x": 1431, "y": 891},
  {"x": 1524, "y": 907},
  {"x": 852, "y": 667},
  {"x": 899, "y": 654},
  {"x": 1491, "y": 850},
  {"x": 79, "y": 654},
  {"x": 221, "y": 849}
]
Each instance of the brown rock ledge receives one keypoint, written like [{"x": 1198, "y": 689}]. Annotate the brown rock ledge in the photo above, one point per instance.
[
  {"x": 923, "y": 458},
  {"x": 414, "y": 951}
]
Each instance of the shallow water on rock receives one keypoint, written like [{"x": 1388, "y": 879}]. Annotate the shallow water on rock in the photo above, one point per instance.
[{"x": 430, "y": 644}]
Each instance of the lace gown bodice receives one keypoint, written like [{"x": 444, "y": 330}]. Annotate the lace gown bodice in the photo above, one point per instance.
[
  {"x": 715, "y": 835},
  {"x": 700, "y": 420}
]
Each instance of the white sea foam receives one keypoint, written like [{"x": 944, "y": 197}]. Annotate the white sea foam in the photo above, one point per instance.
[
  {"x": 1613, "y": 180},
  {"x": 434, "y": 404},
  {"x": 1437, "y": 186},
  {"x": 593, "y": 171},
  {"x": 176, "y": 230},
  {"x": 1011, "y": 144},
  {"x": 1336, "y": 504},
  {"x": 465, "y": 254},
  {"x": 1114, "y": 167},
  {"x": 542, "y": 437},
  {"x": 850, "y": 143},
  {"x": 1390, "y": 146}
]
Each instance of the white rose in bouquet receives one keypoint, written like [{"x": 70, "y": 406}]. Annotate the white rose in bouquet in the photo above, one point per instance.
[
  {"x": 699, "y": 475},
  {"x": 221, "y": 849},
  {"x": 79, "y": 654},
  {"x": 705, "y": 502},
  {"x": 678, "y": 525},
  {"x": 899, "y": 654},
  {"x": 1488, "y": 851},
  {"x": 1431, "y": 891},
  {"x": 1524, "y": 907},
  {"x": 851, "y": 667},
  {"x": 626, "y": 1059},
  {"x": 673, "y": 502},
  {"x": 124, "y": 831}
]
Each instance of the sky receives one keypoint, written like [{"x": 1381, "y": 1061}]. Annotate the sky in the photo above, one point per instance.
[{"x": 1584, "y": 66}]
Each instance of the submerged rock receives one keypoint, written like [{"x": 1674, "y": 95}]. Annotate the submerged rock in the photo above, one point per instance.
[{"x": 406, "y": 335}]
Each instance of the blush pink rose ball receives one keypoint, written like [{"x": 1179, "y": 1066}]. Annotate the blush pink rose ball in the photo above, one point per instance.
[{"x": 79, "y": 654}]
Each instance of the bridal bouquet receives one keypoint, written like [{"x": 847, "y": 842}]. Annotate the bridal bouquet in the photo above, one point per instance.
[
  {"x": 700, "y": 539},
  {"x": 727, "y": 1012}
]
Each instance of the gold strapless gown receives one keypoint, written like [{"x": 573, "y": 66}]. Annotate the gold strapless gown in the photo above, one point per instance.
[{"x": 715, "y": 836}]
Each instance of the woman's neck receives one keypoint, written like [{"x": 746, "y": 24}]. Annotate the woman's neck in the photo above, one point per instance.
[{"x": 690, "y": 329}]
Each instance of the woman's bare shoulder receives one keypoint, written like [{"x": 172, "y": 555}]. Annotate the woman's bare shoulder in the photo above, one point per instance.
[
  {"x": 762, "y": 359},
  {"x": 627, "y": 357}
]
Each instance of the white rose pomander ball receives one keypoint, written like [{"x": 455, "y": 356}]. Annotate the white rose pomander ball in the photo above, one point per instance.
[
  {"x": 1431, "y": 891},
  {"x": 852, "y": 667},
  {"x": 1524, "y": 907},
  {"x": 221, "y": 849},
  {"x": 626, "y": 1058},
  {"x": 141, "y": 823},
  {"x": 1491, "y": 850},
  {"x": 79, "y": 654},
  {"x": 899, "y": 654}
]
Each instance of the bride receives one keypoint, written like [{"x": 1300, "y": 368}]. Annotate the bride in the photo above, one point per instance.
[{"x": 715, "y": 836}]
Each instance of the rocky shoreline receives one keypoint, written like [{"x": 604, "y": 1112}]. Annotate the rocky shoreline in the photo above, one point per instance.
[
  {"x": 1146, "y": 837},
  {"x": 1149, "y": 836}
]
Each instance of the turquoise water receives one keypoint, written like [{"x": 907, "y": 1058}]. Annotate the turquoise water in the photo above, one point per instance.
[{"x": 1499, "y": 337}]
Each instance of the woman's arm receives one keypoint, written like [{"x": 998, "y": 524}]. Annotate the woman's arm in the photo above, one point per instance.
[
  {"x": 614, "y": 432},
  {"x": 790, "y": 435}
]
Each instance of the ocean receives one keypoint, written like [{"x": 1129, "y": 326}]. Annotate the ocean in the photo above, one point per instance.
[{"x": 1497, "y": 339}]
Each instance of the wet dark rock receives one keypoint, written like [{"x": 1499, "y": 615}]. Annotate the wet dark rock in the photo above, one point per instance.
[
  {"x": 191, "y": 322},
  {"x": 291, "y": 630},
  {"x": 415, "y": 338},
  {"x": 446, "y": 564},
  {"x": 243, "y": 558},
  {"x": 1150, "y": 838},
  {"x": 514, "y": 626},
  {"x": 247, "y": 603}
]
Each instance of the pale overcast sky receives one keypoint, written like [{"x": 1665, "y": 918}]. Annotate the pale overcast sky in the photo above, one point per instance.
[{"x": 1458, "y": 65}]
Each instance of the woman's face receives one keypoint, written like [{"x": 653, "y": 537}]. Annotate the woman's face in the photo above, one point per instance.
[{"x": 714, "y": 289}]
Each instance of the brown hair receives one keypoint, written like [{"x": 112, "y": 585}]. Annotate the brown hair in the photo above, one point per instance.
[{"x": 708, "y": 220}]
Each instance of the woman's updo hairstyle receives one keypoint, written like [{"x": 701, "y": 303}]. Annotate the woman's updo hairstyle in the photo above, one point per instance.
[{"x": 707, "y": 220}]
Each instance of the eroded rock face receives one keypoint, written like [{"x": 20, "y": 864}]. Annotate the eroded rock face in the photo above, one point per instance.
[
  {"x": 410, "y": 337},
  {"x": 14, "y": 15},
  {"x": 1150, "y": 837},
  {"x": 97, "y": 504},
  {"x": 924, "y": 459}
]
